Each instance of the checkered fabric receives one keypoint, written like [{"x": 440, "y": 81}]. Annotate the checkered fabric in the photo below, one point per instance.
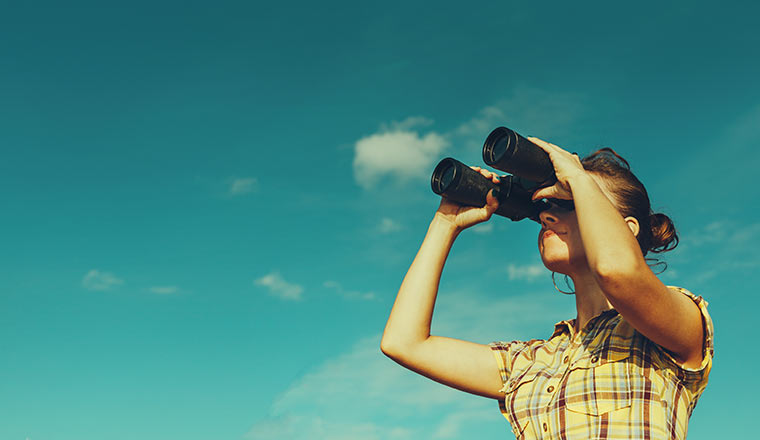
[{"x": 606, "y": 382}]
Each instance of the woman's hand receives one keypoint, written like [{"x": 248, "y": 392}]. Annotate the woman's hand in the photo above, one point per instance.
[
  {"x": 462, "y": 217},
  {"x": 566, "y": 167}
]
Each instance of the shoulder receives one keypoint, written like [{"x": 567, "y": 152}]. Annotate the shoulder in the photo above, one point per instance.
[{"x": 698, "y": 372}]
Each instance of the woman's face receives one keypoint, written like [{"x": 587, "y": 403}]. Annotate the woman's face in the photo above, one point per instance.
[{"x": 559, "y": 241}]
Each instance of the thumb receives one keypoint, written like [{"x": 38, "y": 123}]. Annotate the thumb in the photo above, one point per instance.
[
  {"x": 546, "y": 193},
  {"x": 492, "y": 201}
]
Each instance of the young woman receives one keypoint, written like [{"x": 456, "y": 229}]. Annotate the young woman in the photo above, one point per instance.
[{"x": 635, "y": 359}]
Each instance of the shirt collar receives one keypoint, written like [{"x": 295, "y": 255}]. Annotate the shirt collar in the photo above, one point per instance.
[{"x": 568, "y": 324}]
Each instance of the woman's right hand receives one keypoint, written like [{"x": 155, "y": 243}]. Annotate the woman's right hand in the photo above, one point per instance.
[{"x": 462, "y": 217}]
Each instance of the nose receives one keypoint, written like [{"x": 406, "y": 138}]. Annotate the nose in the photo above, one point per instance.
[{"x": 548, "y": 217}]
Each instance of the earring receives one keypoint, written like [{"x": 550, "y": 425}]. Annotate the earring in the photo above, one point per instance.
[{"x": 566, "y": 282}]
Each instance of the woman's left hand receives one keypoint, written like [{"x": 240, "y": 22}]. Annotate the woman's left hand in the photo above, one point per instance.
[{"x": 566, "y": 166}]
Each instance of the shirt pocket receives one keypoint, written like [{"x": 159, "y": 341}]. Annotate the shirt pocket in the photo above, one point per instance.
[{"x": 598, "y": 383}]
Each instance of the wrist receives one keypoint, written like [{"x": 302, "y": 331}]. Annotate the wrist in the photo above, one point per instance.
[
  {"x": 579, "y": 179},
  {"x": 440, "y": 224}
]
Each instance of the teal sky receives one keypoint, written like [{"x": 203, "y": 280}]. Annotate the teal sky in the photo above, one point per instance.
[{"x": 208, "y": 210}]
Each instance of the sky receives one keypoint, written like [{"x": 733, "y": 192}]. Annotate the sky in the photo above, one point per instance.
[{"x": 208, "y": 208}]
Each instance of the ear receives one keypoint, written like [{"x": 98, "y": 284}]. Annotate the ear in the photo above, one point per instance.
[{"x": 633, "y": 225}]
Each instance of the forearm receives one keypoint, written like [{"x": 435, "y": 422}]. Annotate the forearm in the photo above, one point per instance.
[
  {"x": 610, "y": 245},
  {"x": 412, "y": 312}
]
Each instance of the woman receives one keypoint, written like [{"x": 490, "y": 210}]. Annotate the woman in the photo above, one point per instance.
[{"x": 633, "y": 362}]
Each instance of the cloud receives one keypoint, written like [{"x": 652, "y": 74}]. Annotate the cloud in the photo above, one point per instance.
[
  {"x": 401, "y": 153},
  {"x": 363, "y": 394},
  {"x": 280, "y": 288},
  {"x": 483, "y": 228},
  {"x": 348, "y": 294},
  {"x": 243, "y": 185},
  {"x": 97, "y": 280},
  {"x": 528, "y": 110},
  {"x": 732, "y": 247},
  {"x": 527, "y": 272},
  {"x": 388, "y": 226},
  {"x": 703, "y": 175},
  {"x": 164, "y": 290},
  {"x": 397, "y": 152}
]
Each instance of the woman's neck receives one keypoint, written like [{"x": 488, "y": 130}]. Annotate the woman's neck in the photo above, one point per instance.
[{"x": 589, "y": 298}]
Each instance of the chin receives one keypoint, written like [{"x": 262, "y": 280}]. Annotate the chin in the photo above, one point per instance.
[{"x": 557, "y": 261}]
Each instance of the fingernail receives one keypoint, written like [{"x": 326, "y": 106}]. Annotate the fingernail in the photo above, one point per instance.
[{"x": 496, "y": 192}]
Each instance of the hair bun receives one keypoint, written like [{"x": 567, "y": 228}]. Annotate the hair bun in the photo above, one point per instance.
[{"x": 664, "y": 236}]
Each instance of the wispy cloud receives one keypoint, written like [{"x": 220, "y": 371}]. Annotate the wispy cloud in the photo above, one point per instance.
[
  {"x": 483, "y": 228},
  {"x": 388, "y": 226},
  {"x": 97, "y": 280},
  {"x": 363, "y": 394},
  {"x": 398, "y": 152},
  {"x": 164, "y": 290},
  {"x": 544, "y": 113},
  {"x": 280, "y": 288},
  {"x": 242, "y": 185},
  {"x": 527, "y": 272},
  {"x": 730, "y": 244},
  {"x": 348, "y": 294}
]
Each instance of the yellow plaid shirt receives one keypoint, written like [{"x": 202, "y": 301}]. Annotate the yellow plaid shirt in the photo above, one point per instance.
[{"x": 607, "y": 382}]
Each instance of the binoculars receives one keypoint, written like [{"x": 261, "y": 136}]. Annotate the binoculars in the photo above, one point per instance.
[{"x": 507, "y": 151}]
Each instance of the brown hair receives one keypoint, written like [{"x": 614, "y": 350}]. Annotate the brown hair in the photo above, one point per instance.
[{"x": 657, "y": 233}]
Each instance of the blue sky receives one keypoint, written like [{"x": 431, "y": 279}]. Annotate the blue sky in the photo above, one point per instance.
[{"x": 208, "y": 210}]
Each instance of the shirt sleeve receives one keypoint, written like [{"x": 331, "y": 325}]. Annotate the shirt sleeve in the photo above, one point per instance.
[
  {"x": 694, "y": 378},
  {"x": 504, "y": 352}
]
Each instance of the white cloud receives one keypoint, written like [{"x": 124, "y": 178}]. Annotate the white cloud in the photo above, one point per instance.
[
  {"x": 388, "y": 225},
  {"x": 527, "y": 272},
  {"x": 397, "y": 152},
  {"x": 483, "y": 228},
  {"x": 400, "y": 152},
  {"x": 348, "y": 294},
  {"x": 97, "y": 280},
  {"x": 242, "y": 185},
  {"x": 363, "y": 394},
  {"x": 164, "y": 290},
  {"x": 280, "y": 288}
]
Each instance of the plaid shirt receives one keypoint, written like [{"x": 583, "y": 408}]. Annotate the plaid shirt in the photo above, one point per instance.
[{"x": 607, "y": 382}]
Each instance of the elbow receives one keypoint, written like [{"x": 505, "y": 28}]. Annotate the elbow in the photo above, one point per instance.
[
  {"x": 386, "y": 347},
  {"x": 398, "y": 350},
  {"x": 392, "y": 351}
]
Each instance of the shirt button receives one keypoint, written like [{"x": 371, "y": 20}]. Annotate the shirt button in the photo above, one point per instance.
[
  {"x": 594, "y": 359},
  {"x": 565, "y": 359},
  {"x": 550, "y": 389},
  {"x": 546, "y": 428}
]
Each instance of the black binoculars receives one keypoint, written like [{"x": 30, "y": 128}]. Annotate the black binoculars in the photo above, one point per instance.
[{"x": 507, "y": 151}]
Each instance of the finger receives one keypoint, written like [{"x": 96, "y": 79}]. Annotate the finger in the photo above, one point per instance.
[{"x": 546, "y": 146}]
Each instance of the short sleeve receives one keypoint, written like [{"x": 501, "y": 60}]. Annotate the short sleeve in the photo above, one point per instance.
[
  {"x": 695, "y": 378},
  {"x": 504, "y": 352}
]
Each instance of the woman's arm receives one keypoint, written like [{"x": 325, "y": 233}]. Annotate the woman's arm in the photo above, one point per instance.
[
  {"x": 667, "y": 317},
  {"x": 460, "y": 364}
]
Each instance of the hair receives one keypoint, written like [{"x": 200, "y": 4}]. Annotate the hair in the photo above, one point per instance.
[{"x": 657, "y": 233}]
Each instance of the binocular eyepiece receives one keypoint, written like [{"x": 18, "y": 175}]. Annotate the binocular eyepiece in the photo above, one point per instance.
[{"x": 507, "y": 151}]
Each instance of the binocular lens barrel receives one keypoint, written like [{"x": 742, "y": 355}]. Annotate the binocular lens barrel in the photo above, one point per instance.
[
  {"x": 460, "y": 183},
  {"x": 506, "y": 150}
]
